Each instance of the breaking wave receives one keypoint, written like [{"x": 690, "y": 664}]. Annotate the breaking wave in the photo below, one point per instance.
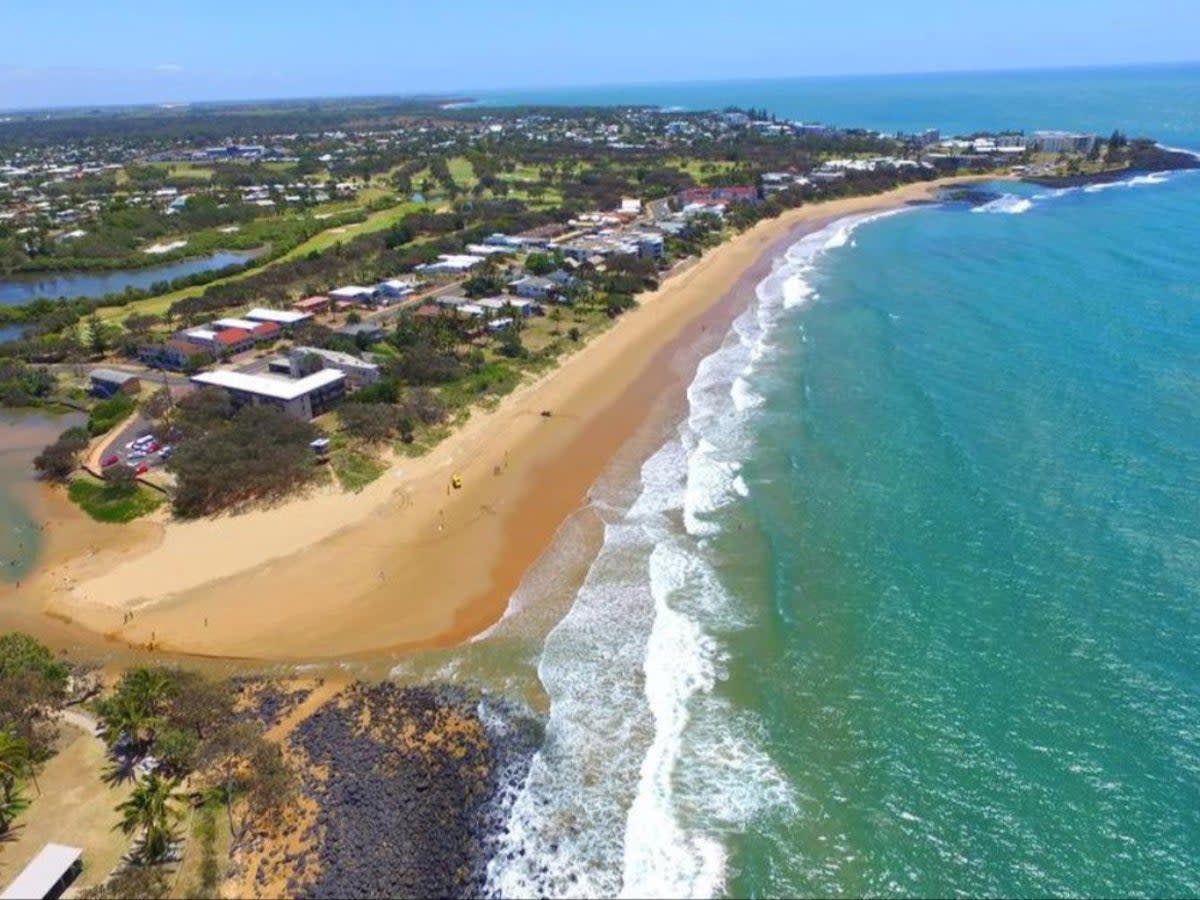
[
  {"x": 646, "y": 770},
  {"x": 1007, "y": 204}
]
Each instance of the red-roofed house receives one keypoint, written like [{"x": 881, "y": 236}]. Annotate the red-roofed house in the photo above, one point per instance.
[
  {"x": 313, "y": 305},
  {"x": 176, "y": 354},
  {"x": 233, "y": 340},
  {"x": 266, "y": 331}
]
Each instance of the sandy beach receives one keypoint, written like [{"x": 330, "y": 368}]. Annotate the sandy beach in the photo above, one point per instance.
[{"x": 409, "y": 562}]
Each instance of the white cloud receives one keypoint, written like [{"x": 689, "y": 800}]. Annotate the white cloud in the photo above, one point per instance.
[{"x": 169, "y": 68}]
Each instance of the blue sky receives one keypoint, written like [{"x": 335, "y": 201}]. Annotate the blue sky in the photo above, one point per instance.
[{"x": 87, "y": 52}]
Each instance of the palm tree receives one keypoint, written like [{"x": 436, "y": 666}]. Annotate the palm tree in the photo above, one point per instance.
[
  {"x": 124, "y": 716},
  {"x": 15, "y": 761},
  {"x": 153, "y": 809}
]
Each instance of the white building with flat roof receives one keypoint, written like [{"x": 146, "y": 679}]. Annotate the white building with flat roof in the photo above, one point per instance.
[
  {"x": 303, "y": 398},
  {"x": 281, "y": 317},
  {"x": 353, "y": 293},
  {"x": 243, "y": 324},
  {"x": 452, "y": 264}
]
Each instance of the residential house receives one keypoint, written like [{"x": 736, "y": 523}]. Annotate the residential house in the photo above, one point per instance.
[
  {"x": 533, "y": 287},
  {"x": 353, "y": 294},
  {"x": 313, "y": 306},
  {"x": 177, "y": 355}
]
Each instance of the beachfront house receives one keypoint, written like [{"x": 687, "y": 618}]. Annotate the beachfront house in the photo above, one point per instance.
[
  {"x": 303, "y": 398},
  {"x": 508, "y": 304}
]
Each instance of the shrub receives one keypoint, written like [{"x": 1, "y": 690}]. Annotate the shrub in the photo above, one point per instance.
[{"x": 106, "y": 414}]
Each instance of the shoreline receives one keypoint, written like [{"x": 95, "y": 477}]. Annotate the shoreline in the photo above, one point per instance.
[{"x": 408, "y": 563}]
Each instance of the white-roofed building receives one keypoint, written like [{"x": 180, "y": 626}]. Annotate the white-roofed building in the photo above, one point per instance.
[
  {"x": 303, "y": 398},
  {"x": 519, "y": 305},
  {"x": 243, "y": 324},
  {"x": 48, "y": 874},
  {"x": 354, "y": 293},
  {"x": 397, "y": 287},
  {"x": 281, "y": 317},
  {"x": 452, "y": 264}
]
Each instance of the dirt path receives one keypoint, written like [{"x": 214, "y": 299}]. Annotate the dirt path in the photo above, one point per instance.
[{"x": 314, "y": 701}]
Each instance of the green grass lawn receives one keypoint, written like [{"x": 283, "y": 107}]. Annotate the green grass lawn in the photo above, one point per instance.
[
  {"x": 106, "y": 504},
  {"x": 355, "y": 468},
  {"x": 462, "y": 172}
]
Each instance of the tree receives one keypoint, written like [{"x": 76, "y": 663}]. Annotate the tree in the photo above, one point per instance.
[
  {"x": 95, "y": 335},
  {"x": 370, "y": 422},
  {"x": 152, "y": 809},
  {"x": 158, "y": 404},
  {"x": 261, "y": 453},
  {"x": 539, "y": 264},
  {"x": 15, "y": 761},
  {"x": 510, "y": 342},
  {"x": 134, "y": 712},
  {"x": 57, "y": 461}
]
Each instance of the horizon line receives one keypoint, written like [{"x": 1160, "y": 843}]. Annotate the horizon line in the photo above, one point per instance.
[{"x": 466, "y": 94}]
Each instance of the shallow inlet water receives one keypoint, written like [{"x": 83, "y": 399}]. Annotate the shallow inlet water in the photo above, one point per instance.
[
  {"x": 18, "y": 290},
  {"x": 22, "y": 435}
]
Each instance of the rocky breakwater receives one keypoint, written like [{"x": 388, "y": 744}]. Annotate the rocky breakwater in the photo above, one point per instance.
[{"x": 403, "y": 793}]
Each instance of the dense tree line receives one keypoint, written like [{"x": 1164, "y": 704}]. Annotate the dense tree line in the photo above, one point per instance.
[{"x": 228, "y": 457}]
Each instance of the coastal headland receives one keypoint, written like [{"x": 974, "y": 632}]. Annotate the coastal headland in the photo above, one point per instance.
[{"x": 409, "y": 562}]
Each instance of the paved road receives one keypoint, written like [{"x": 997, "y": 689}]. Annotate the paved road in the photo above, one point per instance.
[{"x": 151, "y": 378}]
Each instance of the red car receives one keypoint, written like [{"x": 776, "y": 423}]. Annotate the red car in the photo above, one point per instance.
[
  {"x": 110, "y": 461},
  {"x": 153, "y": 447},
  {"x": 141, "y": 470}
]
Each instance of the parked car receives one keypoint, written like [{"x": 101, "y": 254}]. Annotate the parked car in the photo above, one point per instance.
[
  {"x": 110, "y": 461},
  {"x": 153, "y": 447},
  {"x": 141, "y": 470},
  {"x": 135, "y": 455},
  {"x": 165, "y": 452}
]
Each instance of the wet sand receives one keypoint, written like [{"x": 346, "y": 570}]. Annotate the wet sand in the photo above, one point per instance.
[{"x": 409, "y": 562}]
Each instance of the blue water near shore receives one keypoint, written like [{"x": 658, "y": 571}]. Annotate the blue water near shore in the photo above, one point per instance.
[
  {"x": 18, "y": 290},
  {"x": 911, "y": 604}
]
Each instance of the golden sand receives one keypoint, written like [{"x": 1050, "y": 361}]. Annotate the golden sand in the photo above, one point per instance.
[{"x": 410, "y": 562}]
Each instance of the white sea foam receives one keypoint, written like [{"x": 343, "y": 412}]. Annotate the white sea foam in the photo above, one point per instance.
[
  {"x": 1147, "y": 180},
  {"x": 645, "y": 769},
  {"x": 1006, "y": 204}
]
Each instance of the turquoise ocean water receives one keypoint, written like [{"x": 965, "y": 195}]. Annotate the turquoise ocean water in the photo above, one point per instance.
[{"x": 911, "y": 603}]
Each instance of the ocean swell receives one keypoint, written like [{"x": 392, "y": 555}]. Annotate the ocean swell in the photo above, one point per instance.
[{"x": 646, "y": 770}]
